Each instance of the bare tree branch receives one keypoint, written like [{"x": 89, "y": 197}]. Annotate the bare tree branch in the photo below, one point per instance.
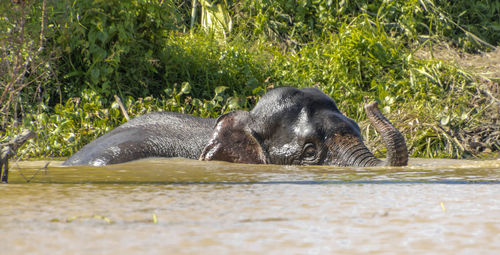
[{"x": 9, "y": 150}]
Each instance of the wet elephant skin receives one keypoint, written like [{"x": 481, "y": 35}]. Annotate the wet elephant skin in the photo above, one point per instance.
[{"x": 287, "y": 126}]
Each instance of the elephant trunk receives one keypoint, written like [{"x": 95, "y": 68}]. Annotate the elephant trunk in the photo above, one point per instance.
[
  {"x": 397, "y": 153},
  {"x": 348, "y": 150}
]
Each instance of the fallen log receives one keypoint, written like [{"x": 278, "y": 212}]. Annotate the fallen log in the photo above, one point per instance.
[{"x": 9, "y": 150}]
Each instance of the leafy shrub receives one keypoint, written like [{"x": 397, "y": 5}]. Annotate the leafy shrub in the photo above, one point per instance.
[
  {"x": 110, "y": 47},
  {"x": 143, "y": 52}
]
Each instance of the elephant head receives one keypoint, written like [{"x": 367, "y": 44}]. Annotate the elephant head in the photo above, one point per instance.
[{"x": 292, "y": 126}]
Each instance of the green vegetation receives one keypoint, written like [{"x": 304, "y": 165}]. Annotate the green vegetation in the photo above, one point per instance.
[{"x": 62, "y": 63}]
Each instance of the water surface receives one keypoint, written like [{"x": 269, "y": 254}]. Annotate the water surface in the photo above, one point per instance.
[{"x": 176, "y": 206}]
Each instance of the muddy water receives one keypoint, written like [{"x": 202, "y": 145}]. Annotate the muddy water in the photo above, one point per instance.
[{"x": 190, "y": 207}]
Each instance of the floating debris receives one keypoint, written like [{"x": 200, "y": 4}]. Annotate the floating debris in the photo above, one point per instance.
[
  {"x": 442, "y": 207},
  {"x": 155, "y": 219},
  {"x": 93, "y": 216}
]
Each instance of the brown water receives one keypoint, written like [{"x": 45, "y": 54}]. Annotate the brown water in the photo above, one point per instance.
[{"x": 191, "y": 207}]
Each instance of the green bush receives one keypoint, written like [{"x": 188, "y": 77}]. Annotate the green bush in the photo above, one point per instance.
[
  {"x": 152, "y": 56},
  {"x": 111, "y": 47},
  {"x": 135, "y": 48},
  {"x": 469, "y": 24}
]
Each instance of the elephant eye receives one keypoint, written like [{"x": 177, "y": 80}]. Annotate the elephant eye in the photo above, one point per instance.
[{"x": 309, "y": 152}]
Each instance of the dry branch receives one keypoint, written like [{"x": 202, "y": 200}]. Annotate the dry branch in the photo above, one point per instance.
[
  {"x": 9, "y": 150},
  {"x": 122, "y": 107}
]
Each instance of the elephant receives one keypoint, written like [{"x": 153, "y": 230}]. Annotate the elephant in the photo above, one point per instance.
[{"x": 287, "y": 126}]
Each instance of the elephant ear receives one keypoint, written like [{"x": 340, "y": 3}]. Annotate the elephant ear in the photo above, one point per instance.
[{"x": 233, "y": 141}]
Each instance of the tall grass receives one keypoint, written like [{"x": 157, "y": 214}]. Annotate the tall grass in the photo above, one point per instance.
[{"x": 156, "y": 56}]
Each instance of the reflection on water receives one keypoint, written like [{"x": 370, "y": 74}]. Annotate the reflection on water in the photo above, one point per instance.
[
  {"x": 180, "y": 206},
  {"x": 182, "y": 171}
]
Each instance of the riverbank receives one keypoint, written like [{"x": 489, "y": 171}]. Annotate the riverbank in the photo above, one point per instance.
[
  {"x": 431, "y": 66},
  {"x": 476, "y": 140}
]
